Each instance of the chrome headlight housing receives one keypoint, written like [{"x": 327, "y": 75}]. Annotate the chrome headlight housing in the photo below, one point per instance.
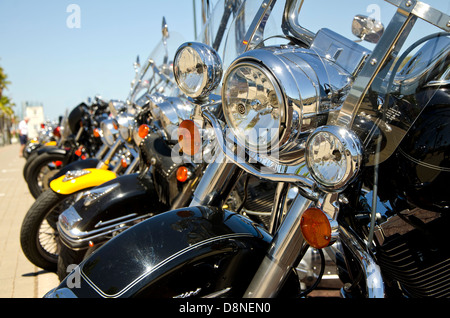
[
  {"x": 169, "y": 112},
  {"x": 274, "y": 97},
  {"x": 125, "y": 124},
  {"x": 108, "y": 132},
  {"x": 333, "y": 156},
  {"x": 197, "y": 69}
]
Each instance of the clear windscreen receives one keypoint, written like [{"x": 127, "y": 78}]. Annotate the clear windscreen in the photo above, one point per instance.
[
  {"x": 384, "y": 103},
  {"x": 156, "y": 72}
]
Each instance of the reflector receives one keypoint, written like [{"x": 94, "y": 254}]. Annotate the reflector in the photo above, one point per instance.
[
  {"x": 182, "y": 174},
  {"x": 143, "y": 131},
  {"x": 316, "y": 228},
  {"x": 189, "y": 137}
]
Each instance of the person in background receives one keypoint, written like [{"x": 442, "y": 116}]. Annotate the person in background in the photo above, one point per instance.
[{"x": 23, "y": 134}]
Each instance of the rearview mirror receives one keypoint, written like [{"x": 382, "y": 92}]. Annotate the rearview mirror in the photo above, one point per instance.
[
  {"x": 367, "y": 29},
  {"x": 164, "y": 28}
]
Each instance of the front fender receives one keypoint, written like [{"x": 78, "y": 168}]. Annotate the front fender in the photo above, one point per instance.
[
  {"x": 76, "y": 165},
  {"x": 74, "y": 181},
  {"x": 118, "y": 203},
  {"x": 52, "y": 150},
  {"x": 196, "y": 251}
]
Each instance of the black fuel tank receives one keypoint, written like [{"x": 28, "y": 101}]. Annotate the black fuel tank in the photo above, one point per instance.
[
  {"x": 75, "y": 116},
  {"x": 422, "y": 160}
]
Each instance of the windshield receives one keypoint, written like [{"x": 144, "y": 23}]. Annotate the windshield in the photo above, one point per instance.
[
  {"x": 155, "y": 73},
  {"x": 229, "y": 22},
  {"x": 371, "y": 110}
]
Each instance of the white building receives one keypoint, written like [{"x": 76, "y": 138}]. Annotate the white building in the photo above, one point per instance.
[{"x": 36, "y": 116}]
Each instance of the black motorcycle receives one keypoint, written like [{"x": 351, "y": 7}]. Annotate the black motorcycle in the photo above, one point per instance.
[
  {"x": 78, "y": 142},
  {"x": 162, "y": 182},
  {"x": 362, "y": 135}
]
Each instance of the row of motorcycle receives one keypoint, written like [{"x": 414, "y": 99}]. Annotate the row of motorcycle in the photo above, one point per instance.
[{"x": 266, "y": 171}]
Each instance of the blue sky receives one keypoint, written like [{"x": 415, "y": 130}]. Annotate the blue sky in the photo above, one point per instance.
[{"x": 48, "y": 62}]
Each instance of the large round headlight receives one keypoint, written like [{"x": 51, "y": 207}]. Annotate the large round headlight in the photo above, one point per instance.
[
  {"x": 333, "y": 156},
  {"x": 253, "y": 106},
  {"x": 197, "y": 69},
  {"x": 108, "y": 131}
]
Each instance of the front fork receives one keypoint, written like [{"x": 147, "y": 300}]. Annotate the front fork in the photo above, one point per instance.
[
  {"x": 287, "y": 244},
  {"x": 217, "y": 182}
]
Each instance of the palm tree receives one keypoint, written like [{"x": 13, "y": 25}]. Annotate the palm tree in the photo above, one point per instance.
[
  {"x": 6, "y": 111},
  {"x": 3, "y": 81}
]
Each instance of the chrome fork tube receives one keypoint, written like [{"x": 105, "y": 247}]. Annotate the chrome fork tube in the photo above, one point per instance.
[
  {"x": 78, "y": 135},
  {"x": 217, "y": 182},
  {"x": 286, "y": 246},
  {"x": 132, "y": 165},
  {"x": 101, "y": 152},
  {"x": 110, "y": 154}
]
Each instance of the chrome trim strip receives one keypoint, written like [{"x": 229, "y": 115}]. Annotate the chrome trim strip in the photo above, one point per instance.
[
  {"x": 421, "y": 163},
  {"x": 78, "y": 238},
  {"x": 427, "y": 13},
  {"x": 101, "y": 223},
  {"x": 162, "y": 263}
]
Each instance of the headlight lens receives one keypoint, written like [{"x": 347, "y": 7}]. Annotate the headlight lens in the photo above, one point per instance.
[
  {"x": 190, "y": 71},
  {"x": 108, "y": 132},
  {"x": 197, "y": 69},
  {"x": 125, "y": 123},
  {"x": 333, "y": 156},
  {"x": 253, "y": 106}
]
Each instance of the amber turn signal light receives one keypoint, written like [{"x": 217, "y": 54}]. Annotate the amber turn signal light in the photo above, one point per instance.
[
  {"x": 316, "y": 228},
  {"x": 143, "y": 131},
  {"x": 124, "y": 163},
  {"x": 189, "y": 137},
  {"x": 182, "y": 174},
  {"x": 96, "y": 133}
]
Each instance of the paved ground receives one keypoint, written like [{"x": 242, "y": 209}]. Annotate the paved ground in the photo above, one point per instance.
[{"x": 18, "y": 277}]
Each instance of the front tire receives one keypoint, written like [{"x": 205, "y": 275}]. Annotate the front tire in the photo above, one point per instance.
[
  {"x": 30, "y": 159},
  {"x": 39, "y": 237},
  {"x": 40, "y": 170}
]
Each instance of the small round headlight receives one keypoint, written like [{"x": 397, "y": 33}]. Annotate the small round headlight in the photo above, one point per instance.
[
  {"x": 126, "y": 124},
  {"x": 253, "y": 106},
  {"x": 197, "y": 69},
  {"x": 108, "y": 131},
  {"x": 333, "y": 156}
]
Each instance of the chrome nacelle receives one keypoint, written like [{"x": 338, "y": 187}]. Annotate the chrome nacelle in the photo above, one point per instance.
[
  {"x": 169, "y": 112},
  {"x": 108, "y": 132},
  {"x": 126, "y": 124},
  {"x": 314, "y": 82}
]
